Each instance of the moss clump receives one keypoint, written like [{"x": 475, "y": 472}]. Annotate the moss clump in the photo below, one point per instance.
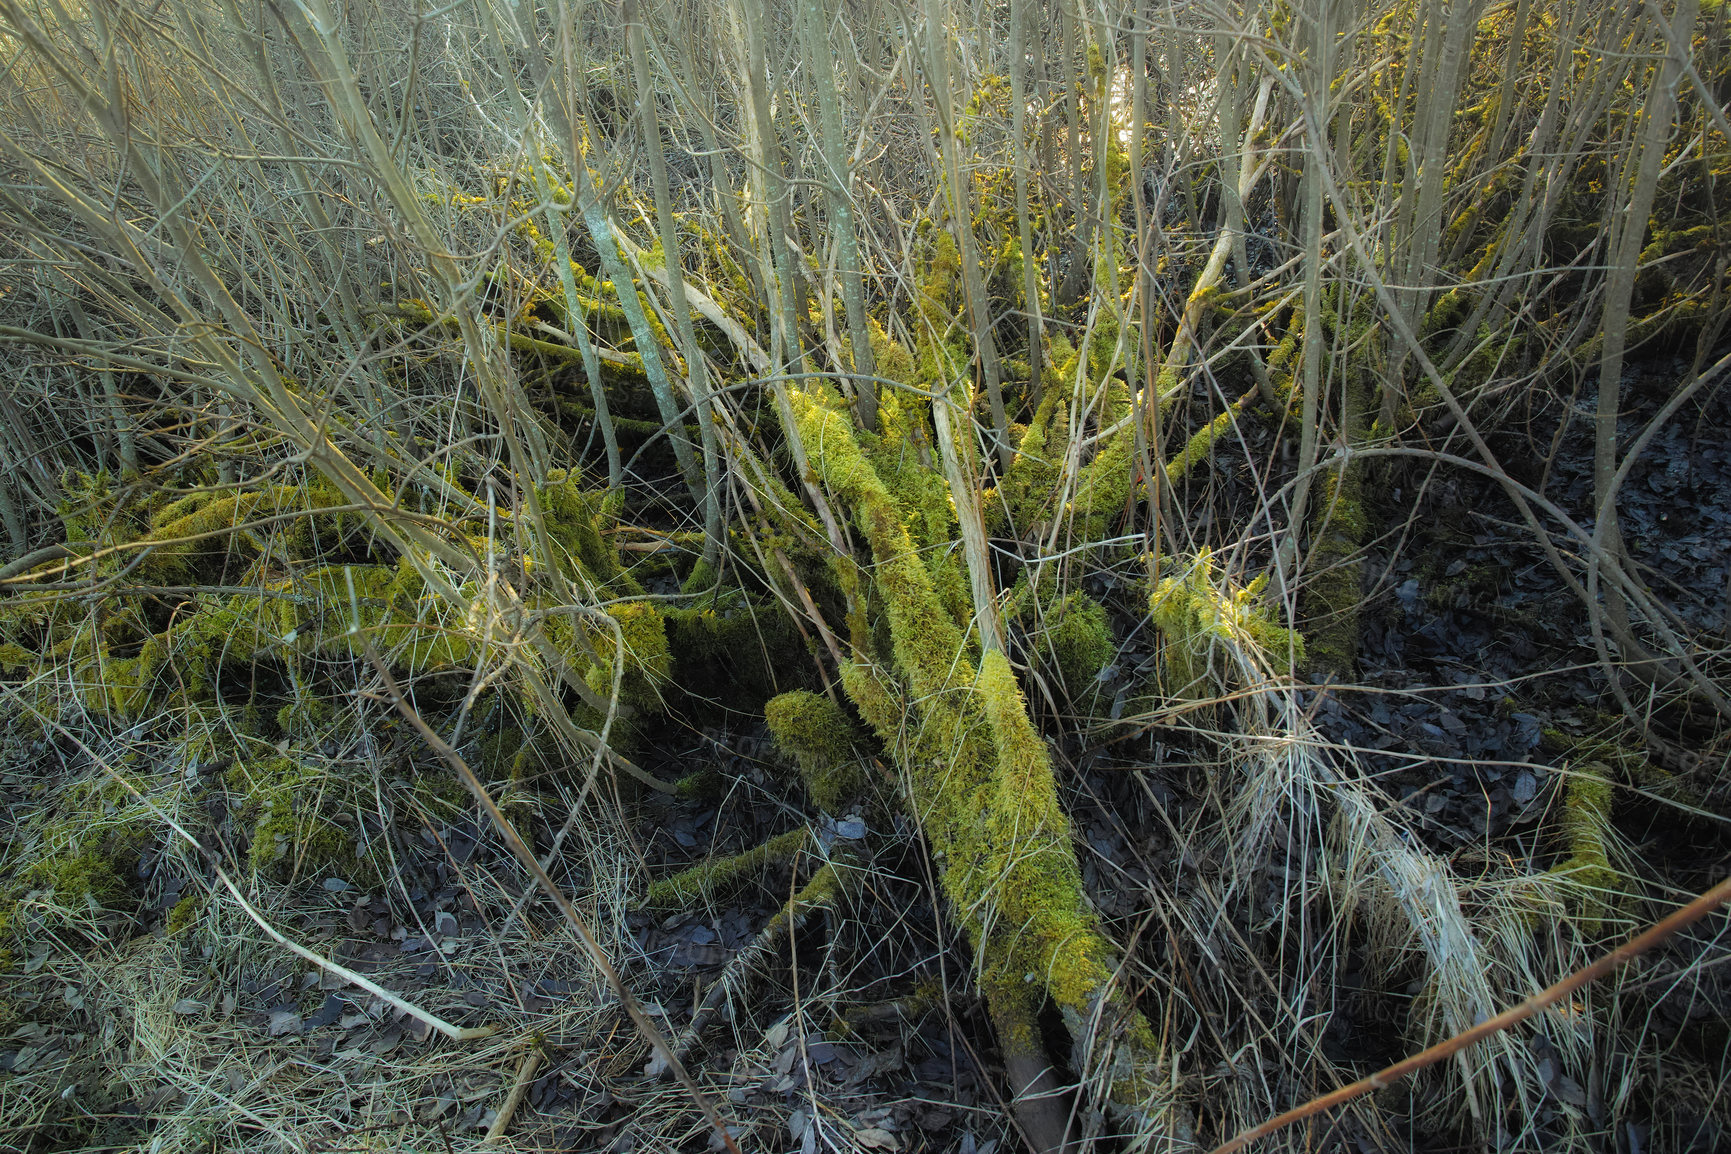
[
  {"x": 1629, "y": 763},
  {"x": 85, "y": 848},
  {"x": 81, "y": 875},
  {"x": 441, "y": 794},
  {"x": 643, "y": 635},
  {"x": 702, "y": 883},
  {"x": 1206, "y": 621},
  {"x": 1025, "y": 493},
  {"x": 1201, "y": 444},
  {"x": 823, "y": 739},
  {"x": 1103, "y": 486},
  {"x": 739, "y": 644},
  {"x": 496, "y": 751},
  {"x": 1069, "y": 632},
  {"x": 1582, "y": 827},
  {"x": 575, "y": 521},
  {"x": 208, "y": 535},
  {"x": 1339, "y": 526},
  {"x": 90, "y": 506},
  {"x": 185, "y": 912},
  {"x": 1078, "y": 640},
  {"x": 305, "y": 716},
  {"x": 291, "y": 834},
  {"x": 412, "y": 628},
  {"x": 704, "y": 785}
]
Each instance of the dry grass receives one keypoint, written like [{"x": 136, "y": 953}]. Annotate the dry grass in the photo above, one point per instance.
[{"x": 211, "y": 218}]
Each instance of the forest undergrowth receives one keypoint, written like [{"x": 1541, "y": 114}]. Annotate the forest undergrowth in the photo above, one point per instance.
[{"x": 871, "y": 576}]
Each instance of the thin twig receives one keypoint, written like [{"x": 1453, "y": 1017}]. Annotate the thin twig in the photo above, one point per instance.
[{"x": 1688, "y": 915}]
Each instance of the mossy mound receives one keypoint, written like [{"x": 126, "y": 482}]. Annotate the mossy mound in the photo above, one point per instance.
[
  {"x": 295, "y": 813},
  {"x": 1068, "y": 632},
  {"x": 1204, "y": 619},
  {"x": 819, "y": 734}
]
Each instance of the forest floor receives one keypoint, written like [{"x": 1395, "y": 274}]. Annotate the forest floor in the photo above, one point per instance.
[{"x": 1475, "y": 678}]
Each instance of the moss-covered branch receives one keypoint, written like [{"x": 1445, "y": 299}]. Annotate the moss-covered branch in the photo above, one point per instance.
[{"x": 984, "y": 794}]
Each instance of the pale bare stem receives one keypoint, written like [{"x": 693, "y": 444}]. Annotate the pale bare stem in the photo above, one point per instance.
[
  {"x": 1031, "y": 303},
  {"x": 1627, "y": 236},
  {"x": 1318, "y": 37},
  {"x": 961, "y": 470},
  {"x": 938, "y": 50},
  {"x": 696, "y": 366},
  {"x": 814, "y": 21},
  {"x": 565, "y": 108}
]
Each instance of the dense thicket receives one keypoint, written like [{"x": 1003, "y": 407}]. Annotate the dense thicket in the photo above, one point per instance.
[{"x": 1084, "y": 439}]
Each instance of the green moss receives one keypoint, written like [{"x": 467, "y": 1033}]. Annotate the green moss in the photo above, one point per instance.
[
  {"x": 1200, "y": 446},
  {"x": 1068, "y": 631},
  {"x": 1021, "y": 858},
  {"x": 1333, "y": 589},
  {"x": 495, "y": 752},
  {"x": 84, "y": 845},
  {"x": 89, "y": 505},
  {"x": 739, "y": 648},
  {"x": 575, "y": 521},
  {"x": 823, "y": 739},
  {"x": 704, "y": 785},
  {"x": 1582, "y": 825},
  {"x": 80, "y": 875},
  {"x": 305, "y": 717},
  {"x": 1340, "y": 524},
  {"x": 203, "y": 542},
  {"x": 413, "y": 629},
  {"x": 643, "y": 634},
  {"x": 1103, "y": 487},
  {"x": 1078, "y": 639},
  {"x": 533, "y": 759},
  {"x": 186, "y": 911},
  {"x": 1629, "y": 761},
  {"x": 1025, "y": 494},
  {"x": 1207, "y": 623},
  {"x": 287, "y": 804},
  {"x": 981, "y": 784},
  {"x": 703, "y": 883},
  {"x": 703, "y": 577}
]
